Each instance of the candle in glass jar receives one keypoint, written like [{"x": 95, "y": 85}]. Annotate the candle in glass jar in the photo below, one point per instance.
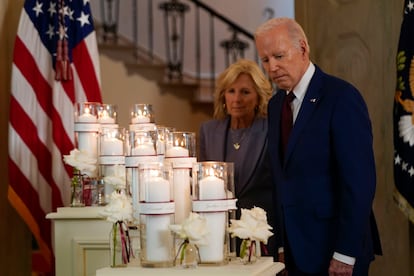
[
  {"x": 87, "y": 117},
  {"x": 143, "y": 149},
  {"x": 140, "y": 119},
  {"x": 212, "y": 188},
  {"x": 104, "y": 118},
  {"x": 177, "y": 152},
  {"x": 112, "y": 146},
  {"x": 157, "y": 231}
]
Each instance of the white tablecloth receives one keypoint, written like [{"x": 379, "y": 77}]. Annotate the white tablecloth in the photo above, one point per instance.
[{"x": 263, "y": 267}]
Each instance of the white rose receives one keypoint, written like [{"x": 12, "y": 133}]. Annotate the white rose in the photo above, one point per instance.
[
  {"x": 81, "y": 160},
  {"x": 194, "y": 228},
  {"x": 252, "y": 225},
  {"x": 119, "y": 208}
]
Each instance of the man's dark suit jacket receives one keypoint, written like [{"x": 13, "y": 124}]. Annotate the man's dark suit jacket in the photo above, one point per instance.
[
  {"x": 255, "y": 184},
  {"x": 326, "y": 181}
]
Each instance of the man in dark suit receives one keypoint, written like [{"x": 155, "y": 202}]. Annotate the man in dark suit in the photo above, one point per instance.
[{"x": 325, "y": 173}]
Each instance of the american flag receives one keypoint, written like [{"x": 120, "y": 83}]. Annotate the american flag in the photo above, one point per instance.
[
  {"x": 404, "y": 115},
  {"x": 55, "y": 65}
]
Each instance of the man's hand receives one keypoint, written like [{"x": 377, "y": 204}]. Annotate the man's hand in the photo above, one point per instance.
[
  {"x": 281, "y": 258},
  {"x": 337, "y": 268}
]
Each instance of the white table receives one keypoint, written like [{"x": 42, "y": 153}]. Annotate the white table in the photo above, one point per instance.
[{"x": 263, "y": 267}]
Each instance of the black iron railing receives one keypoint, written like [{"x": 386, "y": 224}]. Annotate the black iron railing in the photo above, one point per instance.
[{"x": 199, "y": 46}]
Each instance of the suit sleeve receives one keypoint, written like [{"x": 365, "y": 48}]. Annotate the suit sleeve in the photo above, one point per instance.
[{"x": 355, "y": 166}]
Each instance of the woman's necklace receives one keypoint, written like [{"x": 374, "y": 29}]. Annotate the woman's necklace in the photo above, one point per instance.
[{"x": 237, "y": 136}]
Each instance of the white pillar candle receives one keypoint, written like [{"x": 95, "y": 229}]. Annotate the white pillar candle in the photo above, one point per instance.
[
  {"x": 157, "y": 189},
  {"x": 182, "y": 194},
  {"x": 112, "y": 146},
  {"x": 177, "y": 152},
  {"x": 88, "y": 141},
  {"x": 212, "y": 188},
  {"x": 143, "y": 149}
]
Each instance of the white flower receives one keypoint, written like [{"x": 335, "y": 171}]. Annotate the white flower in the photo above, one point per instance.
[
  {"x": 81, "y": 160},
  {"x": 252, "y": 225},
  {"x": 116, "y": 177},
  {"x": 119, "y": 208},
  {"x": 194, "y": 228}
]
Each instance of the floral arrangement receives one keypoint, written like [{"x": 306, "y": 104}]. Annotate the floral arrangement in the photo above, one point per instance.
[
  {"x": 116, "y": 177},
  {"x": 119, "y": 208},
  {"x": 193, "y": 231},
  {"x": 82, "y": 163},
  {"x": 119, "y": 212},
  {"x": 81, "y": 160},
  {"x": 251, "y": 227}
]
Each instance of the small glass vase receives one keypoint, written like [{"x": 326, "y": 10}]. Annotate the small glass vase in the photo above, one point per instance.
[
  {"x": 248, "y": 251},
  {"x": 188, "y": 255},
  {"x": 119, "y": 249},
  {"x": 76, "y": 199}
]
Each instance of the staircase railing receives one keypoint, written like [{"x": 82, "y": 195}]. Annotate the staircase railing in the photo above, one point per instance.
[{"x": 190, "y": 37}]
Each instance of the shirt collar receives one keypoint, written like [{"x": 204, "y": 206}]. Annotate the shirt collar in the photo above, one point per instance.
[{"x": 300, "y": 89}]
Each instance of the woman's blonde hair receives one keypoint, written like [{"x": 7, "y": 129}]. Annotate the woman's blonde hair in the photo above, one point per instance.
[{"x": 228, "y": 77}]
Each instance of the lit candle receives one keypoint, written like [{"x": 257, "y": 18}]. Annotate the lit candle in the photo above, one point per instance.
[
  {"x": 177, "y": 152},
  {"x": 143, "y": 149},
  {"x": 112, "y": 146},
  {"x": 140, "y": 119},
  {"x": 87, "y": 117},
  {"x": 157, "y": 189},
  {"x": 212, "y": 188},
  {"x": 104, "y": 118}
]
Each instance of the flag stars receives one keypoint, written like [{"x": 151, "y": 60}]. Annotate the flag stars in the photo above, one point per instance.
[
  {"x": 410, "y": 6},
  {"x": 51, "y": 31},
  {"x": 411, "y": 171},
  {"x": 70, "y": 14},
  {"x": 404, "y": 166},
  {"x": 397, "y": 160},
  {"x": 38, "y": 8},
  {"x": 52, "y": 9},
  {"x": 83, "y": 19}
]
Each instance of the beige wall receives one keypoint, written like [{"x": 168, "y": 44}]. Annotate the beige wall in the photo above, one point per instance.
[{"x": 175, "y": 108}]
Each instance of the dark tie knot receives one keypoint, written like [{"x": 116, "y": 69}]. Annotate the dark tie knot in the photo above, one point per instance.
[{"x": 290, "y": 97}]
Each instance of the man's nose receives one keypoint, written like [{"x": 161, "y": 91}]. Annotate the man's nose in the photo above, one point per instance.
[{"x": 273, "y": 64}]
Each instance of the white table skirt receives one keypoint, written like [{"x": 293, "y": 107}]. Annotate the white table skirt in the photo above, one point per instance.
[{"x": 263, "y": 267}]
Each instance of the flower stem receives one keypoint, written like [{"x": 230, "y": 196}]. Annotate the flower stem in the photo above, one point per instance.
[{"x": 114, "y": 230}]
